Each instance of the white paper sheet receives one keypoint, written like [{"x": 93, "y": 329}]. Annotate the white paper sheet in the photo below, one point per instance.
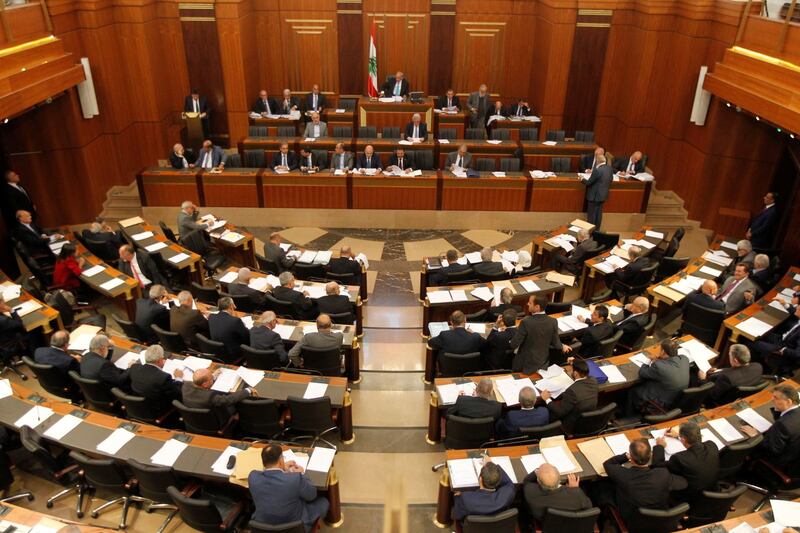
[
  {"x": 89, "y": 272},
  {"x": 613, "y": 373},
  {"x": 504, "y": 462},
  {"x": 654, "y": 234},
  {"x": 619, "y": 443},
  {"x": 226, "y": 381},
  {"x": 27, "y": 307},
  {"x": 530, "y": 286},
  {"x": 754, "y": 419},
  {"x": 551, "y": 371},
  {"x": 315, "y": 390},
  {"x": 508, "y": 390},
  {"x": 725, "y": 430},
  {"x": 250, "y": 376},
  {"x": 60, "y": 429},
  {"x": 321, "y": 459},
  {"x": 125, "y": 361},
  {"x": 5, "y": 388},
  {"x": 753, "y": 326},
  {"x": 168, "y": 453},
  {"x": 713, "y": 272},
  {"x": 111, "y": 284},
  {"x": 177, "y": 258},
  {"x": 708, "y": 435},
  {"x": 458, "y": 296},
  {"x": 557, "y": 457},
  {"x": 196, "y": 363},
  {"x": 786, "y": 513},
  {"x": 438, "y": 297},
  {"x": 114, "y": 442},
  {"x": 532, "y": 462},
  {"x": 448, "y": 393},
  {"x": 141, "y": 236},
  {"x": 284, "y": 330},
  {"x": 230, "y": 277},
  {"x": 156, "y": 246},
  {"x": 484, "y": 293},
  {"x": 462, "y": 473},
  {"x": 220, "y": 464},
  {"x": 639, "y": 359}
]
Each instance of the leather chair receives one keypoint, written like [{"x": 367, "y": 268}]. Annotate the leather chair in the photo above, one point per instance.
[
  {"x": 203, "y": 421},
  {"x": 257, "y": 131},
  {"x": 509, "y": 164},
  {"x": 390, "y": 132},
  {"x": 559, "y": 164},
  {"x": 259, "y": 419},
  {"x": 584, "y": 137},
  {"x": 485, "y": 164},
  {"x": 343, "y": 132},
  {"x": 466, "y": 433},
  {"x": 556, "y": 135},
  {"x": 260, "y": 359},
  {"x": 702, "y": 323},
  {"x": 367, "y": 132},
  {"x": 712, "y": 506},
  {"x": 138, "y": 408},
  {"x": 529, "y": 134},
  {"x": 591, "y": 423},
  {"x": 456, "y": 365},
  {"x": 171, "y": 342},
  {"x": 501, "y": 134},
  {"x": 692, "y": 399},
  {"x": 289, "y": 527},
  {"x": 448, "y": 133},
  {"x": 152, "y": 482},
  {"x": 207, "y": 514},
  {"x": 129, "y": 329},
  {"x": 255, "y": 159},
  {"x": 557, "y": 520},
  {"x": 57, "y": 466},
  {"x": 312, "y": 417},
  {"x": 475, "y": 133},
  {"x": 53, "y": 380},
  {"x": 669, "y": 266},
  {"x": 207, "y": 295},
  {"x": 96, "y": 394},
  {"x": 652, "y": 520},
  {"x": 539, "y": 432},
  {"x": 327, "y": 362},
  {"x": 503, "y": 522}
]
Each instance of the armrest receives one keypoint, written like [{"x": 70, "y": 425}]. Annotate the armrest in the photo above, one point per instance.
[
  {"x": 228, "y": 425},
  {"x": 233, "y": 514},
  {"x": 618, "y": 519},
  {"x": 191, "y": 488},
  {"x": 63, "y": 472},
  {"x": 785, "y": 479},
  {"x": 160, "y": 420}
]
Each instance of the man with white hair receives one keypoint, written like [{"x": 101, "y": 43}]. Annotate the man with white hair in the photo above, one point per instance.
[
  {"x": 263, "y": 336},
  {"x": 629, "y": 273},
  {"x": 240, "y": 287},
  {"x": 488, "y": 267},
  {"x": 101, "y": 232},
  {"x": 481, "y": 405},
  {"x": 197, "y": 393},
  {"x": 316, "y": 128},
  {"x": 543, "y": 490},
  {"x": 740, "y": 373},
  {"x": 745, "y": 253},
  {"x": 57, "y": 355},
  {"x": 636, "y": 318},
  {"x": 96, "y": 364},
  {"x": 346, "y": 263},
  {"x": 178, "y": 158},
  {"x": 322, "y": 339},
  {"x": 334, "y": 302},
  {"x": 416, "y": 130},
  {"x": 152, "y": 310},
  {"x": 187, "y": 219},
  {"x": 761, "y": 273},
  {"x": 152, "y": 383},
  {"x": 573, "y": 261},
  {"x": 478, "y": 105},
  {"x": 302, "y": 304},
  {"x": 186, "y": 320}
]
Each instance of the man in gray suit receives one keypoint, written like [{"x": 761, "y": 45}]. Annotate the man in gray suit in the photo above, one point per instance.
[
  {"x": 662, "y": 380},
  {"x": 597, "y": 191},
  {"x": 462, "y": 158},
  {"x": 273, "y": 252},
  {"x": 315, "y": 129},
  {"x": 187, "y": 219},
  {"x": 322, "y": 339},
  {"x": 197, "y": 393},
  {"x": 341, "y": 160},
  {"x": 738, "y": 290},
  {"x": 572, "y": 261},
  {"x": 211, "y": 156},
  {"x": 478, "y": 105},
  {"x": 536, "y": 334}
]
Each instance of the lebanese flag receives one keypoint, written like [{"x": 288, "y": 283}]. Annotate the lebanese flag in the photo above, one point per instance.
[{"x": 372, "y": 69}]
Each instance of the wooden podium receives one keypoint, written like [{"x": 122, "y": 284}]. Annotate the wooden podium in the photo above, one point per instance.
[
  {"x": 194, "y": 130},
  {"x": 398, "y": 114}
]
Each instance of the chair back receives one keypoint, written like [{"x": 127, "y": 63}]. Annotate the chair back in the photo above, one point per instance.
[
  {"x": 343, "y": 131},
  {"x": 482, "y": 315},
  {"x": 679, "y": 233},
  {"x": 669, "y": 266},
  {"x": 172, "y": 342},
  {"x": 367, "y": 132},
  {"x": 501, "y": 134},
  {"x": 130, "y": 329},
  {"x": 322, "y": 158},
  {"x": 712, "y": 506},
  {"x": 168, "y": 233},
  {"x": 509, "y": 164},
  {"x": 503, "y": 522},
  {"x": 702, "y": 322},
  {"x": 456, "y": 365},
  {"x": 639, "y": 341},
  {"x": 52, "y": 379},
  {"x": 475, "y": 133},
  {"x": 101, "y": 473},
  {"x": 207, "y": 295},
  {"x": 311, "y": 415},
  {"x": 257, "y": 131},
  {"x": 591, "y": 423},
  {"x": 198, "y": 420},
  {"x": 346, "y": 318},
  {"x": 448, "y": 133},
  {"x": 153, "y": 480},
  {"x": 741, "y": 392},
  {"x": 557, "y": 520},
  {"x": 199, "y": 514},
  {"x": 556, "y": 135},
  {"x": 584, "y": 136},
  {"x": 344, "y": 279},
  {"x": 672, "y": 247},
  {"x": 662, "y": 417},
  {"x": 95, "y": 393},
  {"x": 485, "y": 164},
  {"x": 606, "y": 240},
  {"x": 691, "y": 399},
  {"x": 105, "y": 250},
  {"x": 451, "y": 277},
  {"x": 258, "y": 417},
  {"x": 243, "y": 302},
  {"x": 464, "y": 433},
  {"x": 286, "y": 131},
  {"x": 539, "y": 432},
  {"x": 559, "y": 164},
  {"x": 529, "y": 134},
  {"x": 267, "y": 266},
  {"x": 303, "y": 271},
  {"x": 423, "y": 159},
  {"x": 657, "y": 520},
  {"x": 37, "y": 446},
  {"x": 553, "y": 308},
  {"x": 282, "y": 308},
  {"x": 254, "y": 159},
  {"x": 136, "y": 407},
  {"x": 327, "y": 362},
  {"x": 605, "y": 348},
  {"x": 289, "y": 527},
  {"x": 260, "y": 359},
  {"x": 733, "y": 456},
  {"x": 206, "y": 345}
]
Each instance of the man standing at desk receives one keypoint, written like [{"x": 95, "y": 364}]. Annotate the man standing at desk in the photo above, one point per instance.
[
  {"x": 478, "y": 105},
  {"x": 315, "y": 101},
  {"x": 194, "y": 103},
  {"x": 597, "y": 187},
  {"x": 396, "y": 87}
]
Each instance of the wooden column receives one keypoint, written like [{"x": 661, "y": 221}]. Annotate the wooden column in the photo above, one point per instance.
[
  {"x": 352, "y": 75},
  {"x": 443, "y": 34}
]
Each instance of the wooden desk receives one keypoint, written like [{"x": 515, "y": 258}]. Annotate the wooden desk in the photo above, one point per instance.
[
  {"x": 755, "y": 520},
  {"x": 45, "y": 317},
  {"x": 168, "y": 186},
  {"x": 236, "y": 243},
  {"x": 397, "y": 114},
  {"x": 487, "y": 193},
  {"x": 275, "y": 122},
  {"x": 233, "y": 187},
  {"x": 760, "y": 402},
  {"x": 271, "y": 145},
  {"x": 322, "y": 190},
  {"x": 332, "y": 118},
  {"x": 538, "y": 155},
  {"x": 190, "y": 265},
  {"x": 514, "y": 125},
  {"x": 542, "y": 251},
  {"x": 196, "y": 460},
  {"x": 26, "y": 517},
  {"x": 567, "y": 193},
  {"x": 395, "y": 192},
  {"x": 479, "y": 149},
  {"x": 457, "y": 121},
  {"x": 385, "y": 147},
  {"x": 427, "y": 268}
]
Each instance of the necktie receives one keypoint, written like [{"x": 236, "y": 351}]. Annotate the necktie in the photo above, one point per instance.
[
  {"x": 369, "y": 162},
  {"x": 397, "y": 89},
  {"x": 315, "y": 102},
  {"x": 416, "y": 132},
  {"x": 728, "y": 290},
  {"x": 136, "y": 275},
  {"x": 266, "y": 106},
  {"x": 196, "y": 105},
  {"x": 310, "y": 164},
  {"x": 400, "y": 163},
  {"x": 630, "y": 166},
  {"x": 458, "y": 161},
  {"x": 207, "y": 160},
  {"x": 519, "y": 110},
  {"x": 449, "y": 102},
  {"x": 283, "y": 160}
]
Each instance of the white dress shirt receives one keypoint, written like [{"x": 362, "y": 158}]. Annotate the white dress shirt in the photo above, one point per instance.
[{"x": 137, "y": 272}]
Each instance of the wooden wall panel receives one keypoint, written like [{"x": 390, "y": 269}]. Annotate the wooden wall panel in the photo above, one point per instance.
[
  {"x": 308, "y": 52},
  {"x": 352, "y": 66},
  {"x": 441, "y": 47},
  {"x": 205, "y": 66},
  {"x": 480, "y": 53},
  {"x": 586, "y": 70}
]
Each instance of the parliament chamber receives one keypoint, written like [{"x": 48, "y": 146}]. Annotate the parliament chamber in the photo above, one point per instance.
[{"x": 369, "y": 265}]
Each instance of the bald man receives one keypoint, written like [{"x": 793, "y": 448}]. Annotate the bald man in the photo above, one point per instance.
[
  {"x": 543, "y": 490},
  {"x": 56, "y": 354},
  {"x": 345, "y": 264},
  {"x": 179, "y": 159},
  {"x": 334, "y": 303},
  {"x": 241, "y": 287},
  {"x": 197, "y": 393},
  {"x": 705, "y": 297},
  {"x": 322, "y": 339},
  {"x": 630, "y": 166},
  {"x": 31, "y": 235},
  {"x": 397, "y": 86}
]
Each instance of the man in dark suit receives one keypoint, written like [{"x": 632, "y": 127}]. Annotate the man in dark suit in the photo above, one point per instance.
[
  {"x": 179, "y": 159},
  {"x": 589, "y": 162},
  {"x": 56, "y": 354},
  {"x": 636, "y": 318},
  {"x": 457, "y": 339},
  {"x": 579, "y": 397},
  {"x": 186, "y": 320},
  {"x": 308, "y": 160},
  {"x": 263, "y": 336},
  {"x": 439, "y": 277},
  {"x": 274, "y": 253},
  {"x": 640, "y": 485},
  {"x": 334, "y": 302},
  {"x": 346, "y": 263},
  {"x": 281, "y": 492},
  {"x": 527, "y": 416},
  {"x": 139, "y": 266},
  {"x": 401, "y": 160},
  {"x": 482, "y": 405},
  {"x": 543, "y": 491},
  {"x": 506, "y": 304},
  {"x": 228, "y": 329},
  {"x": 315, "y": 100},
  {"x": 95, "y": 364},
  {"x": 662, "y": 380},
  {"x": 761, "y": 232},
  {"x": 497, "y": 109},
  {"x": 448, "y": 101},
  {"x": 241, "y": 287},
  {"x": 495, "y": 493},
  {"x": 288, "y": 103},
  {"x": 597, "y": 187},
  {"x": 194, "y": 103},
  {"x": 487, "y": 267},
  {"x": 152, "y": 383},
  {"x": 761, "y": 274},
  {"x": 396, "y": 87},
  {"x": 520, "y": 109},
  {"x": 535, "y": 336},
  {"x": 13, "y": 336},
  {"x": 284, "y": 159},
  {"x": 102, "y": 232},
  {"x": 496, "y": 351},
  {"x": 459, "y": 159},
  {"x": 600, "y": 328},
  {"x": 698, "y": 464},
  {"x": 630, "y": 166},
  {"x": 302, "y": 304},
  {"x": 416, "y": 129},
  {"x": 369, "y": 159},
  {"x": 152, "y": 310},
  {"x": 265, "y": 104},
  {"x": 13, "y": 198},
  {"x": 781, "y": 351},
  {"x": 197, "y": 393},
  {"x": 706, "y": 297},
  {"x": 740, "y": 373},
  {"x": 31, "y": 235},
  {"x": 573, "y": 261},
  {"x": 211, "y": 156},
  {"x": 781, "y": 444},
  {"x": 629, "y": 272}
]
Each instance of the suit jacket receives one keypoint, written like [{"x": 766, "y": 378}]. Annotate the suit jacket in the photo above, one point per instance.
[
  {"x": 282, "y": 497},
  {"x": 146, "y": 266},
  {"x": 452, "y": 157},
  {"x": 218, "y": 156},
  {"x": 291, "y": 160},
  {"x": 11, "y": 327},
  {"x": 640, "y": 487},
  {"x": 344, "y": 265},
  {"x": 736, "y": 301},
  {"x": 327, "y": 340},
  {"x": 476, "y": 407},
  {"x": 111, "y": 237},
  {"x": 632, "y": 327},
  {"x": 95, "y": 366},
  {"x": 762, "y": 278},
  {"x": 322, "y": 102},
  {"x": 629, "y": 272},
  {"x": 284, "y": 107},
  {"x": 13, "y": 200},
  {"x": 337, "y": 303},
  {"x": 220, "y": 403},
  {"x": 509, "y": 425},
  {"x": 347, "y": 163},
  {"x": 762, "y": 227},
  {"x": 375, "y": 161},
  {"x": 187, "y": 322},
  {"x": 188, "y": 107},
  {"x": 704, "y": 300},
  {"x": 149, "y": 312},
  {"x": 494, "y": 112},
  {"x": 188, "y": 223},
  {"x": 302, "y": 161},
  {"x": 47, "y": 355},
  {"x": 439, "y": 277},
  {"x": 155, "y": 385},
  {"x": 485, "y": 502},
  {"x": 254, "y": 295},
  {"x": 388, "y": 87},
  {"x": 302, "y": 304},
  {"x": 488, "y": 268},
  {"x": 474, "y": 100},
  {"x": 323, "y": 130},
  {"x": 32, "y": 240},
  {"x": 727, "y": 379},
  {"x": 536, "y": 335},
  {"x": 621, "y": 165},
  {"x": 599, "y": 183},
  {"x": 457, "y": 341},
  {"x": 590, "y": 337},
  {"x": 441, "y": 102},
  {"x": 782, "y": 441},
  {"x": 578, "y": 255},
  {"x": 662, "y": 381},
  {"x": 423, "y": 130},
  {"x": 586, "y": 162},
  {"x": 512, "y": 111},
  {"x": 263, "y": 338},
  {"x": 698, "y": 465},
  {"x": 259, "y": 107},
  {"x": 497, "y": 310},
  {"x": 563, "y": 498},
  {"x": 395, "y": 161},
  {"x": 579, "y": 397},
  {"x": 176, "y": 161},
  {"x": 275, "y": 254},
  {"x": 497, "y": 346},
  {"x": 230, "y": 331}
]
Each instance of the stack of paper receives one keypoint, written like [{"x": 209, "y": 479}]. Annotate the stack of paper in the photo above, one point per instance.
[
  {"x": 708, "y": 435},
  {"x": 171, "y": 365},
  {"x": 307, "y": 257},
  {"x": 597, "y": 452},
  {"x": 449, "y": 392},
  {"x": 563, "y": 279},
  {"x": 250, "y": 376},
  {"x": 654, "y": 234},
  {"x": 786, "y": 513},
  {"x": 754, "y": 327},
  {"x": 111, "y": 284},
  {"x": 722, "y": 259},
  {"x": 226, "y": 381},
  {"x": 232, "y": 236},
  {"x": 80, "y": 338},
  {"x": 473, "y": 257},
  {"x": 11, "y": 291},
  {"x": 458, "y": 296},
  {"x": 437, "y": 327},
  {"x": 556, "y": 453},
  {"x": 321, "y": 459},
  {"x": 509, "y": 389},
  {"x": 555, "y": 385},
  {"x": 315, "y": 390},
  {"x": 619, "y": 443},
  {"x": 439, "y": 297},
  {"x": 196, "y": 363},
  {"x": 462, "y": 473},
  {"x": 5, "y": 388},
  {"x": 484, "y": 293}
]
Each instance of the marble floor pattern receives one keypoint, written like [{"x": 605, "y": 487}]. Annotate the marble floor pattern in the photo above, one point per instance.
[{"x": 390, "y": 404}]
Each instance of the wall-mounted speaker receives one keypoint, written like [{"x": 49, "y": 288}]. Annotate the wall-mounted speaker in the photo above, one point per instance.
[
  {"x": 702, "y": 99},
  {"x": 86, "y": 92}
]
